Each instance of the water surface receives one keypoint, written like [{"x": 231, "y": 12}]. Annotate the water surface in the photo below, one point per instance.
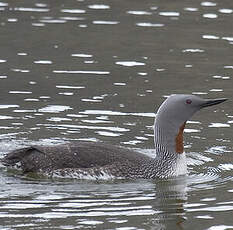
[{"x": 98, "y": 71}]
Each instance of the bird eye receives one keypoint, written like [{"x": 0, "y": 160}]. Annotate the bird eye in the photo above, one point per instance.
[{"x": 188, "y": 101}]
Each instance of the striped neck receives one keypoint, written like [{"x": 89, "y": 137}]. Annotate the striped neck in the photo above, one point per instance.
[
  {"x": 169, "y": 149},
  {"x": 168, "y": 139}
]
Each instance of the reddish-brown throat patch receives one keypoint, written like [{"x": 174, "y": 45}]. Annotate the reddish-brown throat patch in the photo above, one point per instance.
[{"x": 179, "y": 140}]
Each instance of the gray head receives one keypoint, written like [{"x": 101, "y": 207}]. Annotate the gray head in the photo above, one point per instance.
[
  {"x": 172, "y": 116},
  {"x": 178, "y": 108}
]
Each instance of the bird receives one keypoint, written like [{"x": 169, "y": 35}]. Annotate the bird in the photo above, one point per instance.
[{"x": 88, "y": 160}]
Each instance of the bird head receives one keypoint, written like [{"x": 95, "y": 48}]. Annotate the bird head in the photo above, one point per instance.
[
  {"x": 179, "y": 108},
  {"x": 173, "y": 114}
]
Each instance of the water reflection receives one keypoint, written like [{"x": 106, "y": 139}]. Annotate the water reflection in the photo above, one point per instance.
[
  {"x": 161, "y": 203},
  {"x": 81, "y": 72},
  {"x": 129, "y": 63},
  {"x": 113, "y": 204},
  {"x": 27, "y": 9},
  {"x": 97, "y": 71},
  {"x": 211, "y": 16}
]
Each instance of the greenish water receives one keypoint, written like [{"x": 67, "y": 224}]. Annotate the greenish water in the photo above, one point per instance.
[{"x": 98, "y": 71}]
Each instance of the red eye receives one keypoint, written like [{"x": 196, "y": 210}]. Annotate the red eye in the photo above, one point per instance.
[{"x": 188, "y": 101}]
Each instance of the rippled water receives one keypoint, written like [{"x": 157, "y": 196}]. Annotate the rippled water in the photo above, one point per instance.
[{"x": 97, "y": 71}]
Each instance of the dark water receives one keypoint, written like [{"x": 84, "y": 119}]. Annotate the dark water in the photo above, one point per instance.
[{"x": 97, "y": 71}]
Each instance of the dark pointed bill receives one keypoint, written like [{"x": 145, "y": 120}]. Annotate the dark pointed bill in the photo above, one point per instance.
[{"x": 210, "y": 102}]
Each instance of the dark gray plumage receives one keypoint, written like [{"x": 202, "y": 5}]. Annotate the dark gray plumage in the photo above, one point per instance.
[{"x": 85, "y": 159}]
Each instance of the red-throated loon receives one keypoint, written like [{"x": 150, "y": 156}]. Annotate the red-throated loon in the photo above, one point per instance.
[{"x": 83, "y": 159}]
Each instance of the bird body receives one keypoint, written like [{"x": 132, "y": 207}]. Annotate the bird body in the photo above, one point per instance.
[
  {"x": 94, "y": 160},
  {"x": 83, "y": 160}
]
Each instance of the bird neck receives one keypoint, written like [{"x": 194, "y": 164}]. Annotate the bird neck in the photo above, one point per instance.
[{"x": 168, "y": 138}]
